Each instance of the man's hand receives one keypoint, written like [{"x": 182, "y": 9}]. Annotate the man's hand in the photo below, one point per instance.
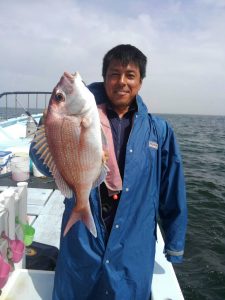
[{"x": 105, "y": 156}]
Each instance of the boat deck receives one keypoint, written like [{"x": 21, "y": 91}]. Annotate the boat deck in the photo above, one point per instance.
[{"x": 33, "y": 182}]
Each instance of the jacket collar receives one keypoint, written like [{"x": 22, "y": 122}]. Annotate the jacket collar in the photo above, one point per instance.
[{"x": 98, "y": 89}]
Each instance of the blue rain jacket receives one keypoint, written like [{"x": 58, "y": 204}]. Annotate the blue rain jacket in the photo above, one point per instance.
[{"x": 153, "y": 186}]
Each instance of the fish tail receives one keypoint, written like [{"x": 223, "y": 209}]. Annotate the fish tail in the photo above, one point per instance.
[{"x": 83, "y": 215}]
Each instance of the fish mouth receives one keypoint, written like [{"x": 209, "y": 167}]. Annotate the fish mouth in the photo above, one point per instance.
[
  {"x": 73, "y": 77},
  {"x": 69, "y": 76}
]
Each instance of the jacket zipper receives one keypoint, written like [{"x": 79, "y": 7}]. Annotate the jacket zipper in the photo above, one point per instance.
[{"x": 133, "y": 123}]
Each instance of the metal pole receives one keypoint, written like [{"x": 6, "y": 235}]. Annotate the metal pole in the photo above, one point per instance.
[
  {"x": 36, "y": 101},
  {"x": 6, "y": 107},
  {"x": 15, "y": 104},
  {"x": 28, "y": 101}
]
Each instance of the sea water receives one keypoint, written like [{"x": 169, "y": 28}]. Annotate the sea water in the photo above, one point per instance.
[{"x": 202, "y": 144}]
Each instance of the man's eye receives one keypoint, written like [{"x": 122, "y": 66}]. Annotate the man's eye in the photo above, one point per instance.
[{"x": 114, "y": 74}]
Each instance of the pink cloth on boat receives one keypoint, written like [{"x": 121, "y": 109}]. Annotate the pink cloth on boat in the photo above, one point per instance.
[{"x": 113, "y": 179}]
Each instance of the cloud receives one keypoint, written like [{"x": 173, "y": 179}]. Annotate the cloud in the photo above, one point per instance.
[{"x": 182, "y": 39}]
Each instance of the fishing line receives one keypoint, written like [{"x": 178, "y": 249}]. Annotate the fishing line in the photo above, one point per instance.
[{"x": 27, "y": 112}]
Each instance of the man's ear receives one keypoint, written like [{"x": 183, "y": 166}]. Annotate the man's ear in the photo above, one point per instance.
[{"x": 140, "y": 84}]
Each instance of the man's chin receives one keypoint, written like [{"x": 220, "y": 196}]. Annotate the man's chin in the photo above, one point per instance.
[{"x": 120, "y": 104}]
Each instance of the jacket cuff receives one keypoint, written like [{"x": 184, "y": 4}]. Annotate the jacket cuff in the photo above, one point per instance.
[{"x": 174, "y": 256}]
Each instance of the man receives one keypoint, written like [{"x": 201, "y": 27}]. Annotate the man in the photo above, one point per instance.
[{"x": 118, "y": 264}]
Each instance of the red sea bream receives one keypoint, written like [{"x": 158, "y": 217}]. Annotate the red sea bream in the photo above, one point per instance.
[{"x": 70, "y": 143}]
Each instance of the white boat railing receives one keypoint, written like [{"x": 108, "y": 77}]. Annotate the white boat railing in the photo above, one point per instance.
[
  {"x": 165, "y": 285},
  {"x": 13, "y": 204},
  {"x": 21, "y": 283}
]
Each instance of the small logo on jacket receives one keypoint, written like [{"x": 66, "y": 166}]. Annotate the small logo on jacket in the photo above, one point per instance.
[{"x": 153, "y": 145}]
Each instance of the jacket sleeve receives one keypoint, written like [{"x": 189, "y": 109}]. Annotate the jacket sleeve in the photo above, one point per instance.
[
  {"x": 38, "y": 161},
  {"x": 172, "y": 202}
]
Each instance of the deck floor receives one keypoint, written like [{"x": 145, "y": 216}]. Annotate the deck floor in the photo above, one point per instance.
[{"x": 48, "y": 216}]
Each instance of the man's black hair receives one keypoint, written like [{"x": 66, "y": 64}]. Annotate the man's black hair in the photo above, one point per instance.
[{"x": 125, "y": 54}]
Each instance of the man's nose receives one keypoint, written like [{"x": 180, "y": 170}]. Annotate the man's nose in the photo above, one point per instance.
[{"x": 122, "y": 79}]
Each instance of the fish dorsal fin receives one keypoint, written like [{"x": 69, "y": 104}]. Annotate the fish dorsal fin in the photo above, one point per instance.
[
  {"x": 102, "y": 175},
  {"x": 41, "y": 145}
]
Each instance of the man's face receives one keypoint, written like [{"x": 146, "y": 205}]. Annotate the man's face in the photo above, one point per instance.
[{"x": 122, "y": 83}]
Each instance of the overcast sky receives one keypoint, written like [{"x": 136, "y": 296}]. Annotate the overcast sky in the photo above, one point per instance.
[{"x": 183, "y": 40}]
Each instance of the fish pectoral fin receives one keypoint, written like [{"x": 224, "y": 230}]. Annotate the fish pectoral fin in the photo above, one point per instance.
[
  {"x": 102, "y": 175},
  {"x": 42, "y": 147},
  {"x": 83, "y": 215}
]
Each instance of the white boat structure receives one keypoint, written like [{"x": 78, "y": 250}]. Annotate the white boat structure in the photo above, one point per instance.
[{"x": 42, "y": 209}]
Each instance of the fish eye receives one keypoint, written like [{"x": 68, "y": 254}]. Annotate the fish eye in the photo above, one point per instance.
[{"x": 59, "y": 96}]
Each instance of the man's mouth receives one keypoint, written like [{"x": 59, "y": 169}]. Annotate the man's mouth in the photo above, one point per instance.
[{"x": 121, "y": 93}]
